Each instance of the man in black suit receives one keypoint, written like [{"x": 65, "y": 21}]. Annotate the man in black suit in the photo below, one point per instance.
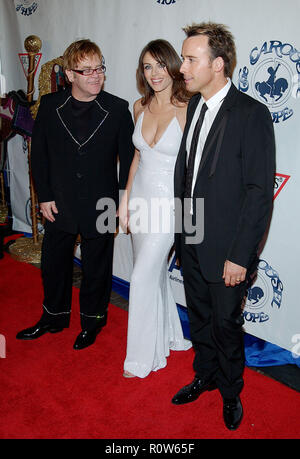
[
  {"x": 227, "y": 159},
  {"x": 79, "y": 135}
]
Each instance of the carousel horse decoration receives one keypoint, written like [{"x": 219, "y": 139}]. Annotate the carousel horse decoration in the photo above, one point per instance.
[{"x": 272, "y": 87}]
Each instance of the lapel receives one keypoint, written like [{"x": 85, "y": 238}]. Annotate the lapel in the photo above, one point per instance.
[
  {"x": 217, "y": 129},
  {"x": 64, "y": 113},
  {"x": 193, "y": 105},
  {"x": 181, "y": 160}
]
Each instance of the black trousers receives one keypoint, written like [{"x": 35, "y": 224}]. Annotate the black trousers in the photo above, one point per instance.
[
  {"x": 216, "y": 320},
  {"x": 57, "y": 274}
]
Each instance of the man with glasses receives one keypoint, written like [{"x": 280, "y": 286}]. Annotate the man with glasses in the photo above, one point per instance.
[{"x": 79, "y": 136}]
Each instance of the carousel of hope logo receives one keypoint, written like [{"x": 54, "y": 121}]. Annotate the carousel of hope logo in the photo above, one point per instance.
[
  {"x": 273, "y": 77},
  {"x": 27, "y": 7},
  {"x": 166, "y": 2}
]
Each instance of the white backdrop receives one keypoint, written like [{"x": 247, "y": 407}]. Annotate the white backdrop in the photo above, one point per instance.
[
  {"x": 17, "y": 168},
  {"x": 267, "y": 39}
]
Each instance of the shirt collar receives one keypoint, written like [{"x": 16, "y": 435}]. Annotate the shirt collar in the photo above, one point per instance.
[{"x": 218, "y": 97}]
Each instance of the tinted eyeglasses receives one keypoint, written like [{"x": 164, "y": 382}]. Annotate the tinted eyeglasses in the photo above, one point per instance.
[{"x": 88, "y": 72}]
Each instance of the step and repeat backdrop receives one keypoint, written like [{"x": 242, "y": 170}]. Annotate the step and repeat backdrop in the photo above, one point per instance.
[{"x": 268, "y": 69}]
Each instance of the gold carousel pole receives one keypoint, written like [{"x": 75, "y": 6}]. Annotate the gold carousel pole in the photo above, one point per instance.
[
  {"x": 29, "y": 249},
  {"x": 32, "y": 45}
]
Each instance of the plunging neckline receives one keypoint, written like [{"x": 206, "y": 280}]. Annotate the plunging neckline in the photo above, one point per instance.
[{"x": 161, "y": 137}]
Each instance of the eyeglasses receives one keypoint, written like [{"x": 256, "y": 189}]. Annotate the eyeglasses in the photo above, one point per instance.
[{"x": 88, "y": 72}]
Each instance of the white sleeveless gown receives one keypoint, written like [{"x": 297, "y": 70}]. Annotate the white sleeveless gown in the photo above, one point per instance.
[{"x": 154, "y": 326}]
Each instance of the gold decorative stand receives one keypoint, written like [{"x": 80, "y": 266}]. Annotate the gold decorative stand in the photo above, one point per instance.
[{"x": 29, "y": 249}]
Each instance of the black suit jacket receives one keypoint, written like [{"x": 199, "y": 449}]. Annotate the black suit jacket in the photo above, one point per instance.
[
  {"x": 236, "y": 180},
  {"x": 76, "y": 175}
]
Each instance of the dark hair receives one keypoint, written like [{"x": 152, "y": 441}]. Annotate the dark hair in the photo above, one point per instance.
[
  {"x": 164, "y": 53},
  {"x": 220, "y": 42}
]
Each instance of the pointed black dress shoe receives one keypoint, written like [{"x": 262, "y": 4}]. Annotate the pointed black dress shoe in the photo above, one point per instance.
[
  {"x": 232, "y": 412},
  {"x": 192, "y": 391},
  {"x": 86, "y": 338},
  {"x": 37, "y": 330}
]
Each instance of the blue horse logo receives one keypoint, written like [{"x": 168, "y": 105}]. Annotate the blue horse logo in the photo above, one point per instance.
[
  {"x": 272, "y": 87},
  {"x": 255, "y": 294}
]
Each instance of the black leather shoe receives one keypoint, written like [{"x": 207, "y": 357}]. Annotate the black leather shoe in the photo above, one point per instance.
[
  {"x": 86, "y": 338},
  {"x": 192, "y": 391},
  {"x": 37, "y": 330},
  {"x": 232, "y": 412}
]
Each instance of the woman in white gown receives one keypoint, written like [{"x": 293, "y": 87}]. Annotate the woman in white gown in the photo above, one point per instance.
[{"x": 154, "y": 326}]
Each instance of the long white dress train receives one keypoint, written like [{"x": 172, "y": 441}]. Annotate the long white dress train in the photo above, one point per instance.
[{"x": 154, "y": 326}]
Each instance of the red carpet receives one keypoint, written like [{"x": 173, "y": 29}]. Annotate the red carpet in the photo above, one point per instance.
[{"x": 49, "y": 390}]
